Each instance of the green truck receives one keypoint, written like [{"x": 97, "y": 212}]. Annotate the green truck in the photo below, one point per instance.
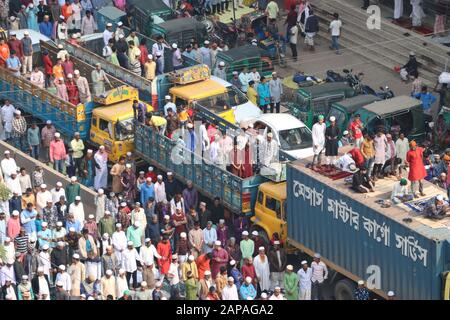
[{"x": 309, "y": 102}]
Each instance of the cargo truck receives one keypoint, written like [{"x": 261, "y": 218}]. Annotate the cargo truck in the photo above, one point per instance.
[{"x": 392, "y": 248}]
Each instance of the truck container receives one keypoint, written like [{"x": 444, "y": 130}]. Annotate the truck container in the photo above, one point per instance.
[
  {"x": 108, "y": 14},
  {"x": 390, "y": 248},
  {"x": 146, "y": 13}
]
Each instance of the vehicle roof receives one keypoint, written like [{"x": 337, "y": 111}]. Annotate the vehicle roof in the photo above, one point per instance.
[
  {"x": 111, "y": 12},
  {"x": 198, "y": 90},
  {"x": 177, "y": 25},
  {"x": 275, "y": 189},
  {"x": 119, "y": 111},
  {"x": 325, "y": 88},
  {"x": 280, "y": 121},
  {"x": 244, "y": 52},
  {"x": 150, "y": 6},
  {"x": 354, "y": 103},
  {"x": 35, "y": 36},
  {"x": 392, "y": 105},
  {"x": 435, "y": 230}
]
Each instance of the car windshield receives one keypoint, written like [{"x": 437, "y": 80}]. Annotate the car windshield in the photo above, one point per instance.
[
  {"x": 124, "y": 129},
  {"x": 224, "y": 101},
  {"x": 296, "y": 138}
]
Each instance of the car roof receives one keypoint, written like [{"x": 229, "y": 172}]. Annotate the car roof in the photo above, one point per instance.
[
  {"x": 280, "y": 121},
  {"x": 354, "y": 103},
  {"x": 392, "y": 105}
]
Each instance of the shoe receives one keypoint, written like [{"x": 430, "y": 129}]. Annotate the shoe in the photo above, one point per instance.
[
  {"x": 416, "y": 196},
  {"x": 422, "y": 194}
]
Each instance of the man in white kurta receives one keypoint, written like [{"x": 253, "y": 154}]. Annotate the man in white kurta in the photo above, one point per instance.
[
  {"x": 119, "y": 242},
  {"x": 304, "y": 277},
  {"x": 8, "y": 164},
  {"x": 77, "y": 210},
  {"x": 57, "y": 192},
  {"x": 121, "y": 283},
  {"x": 101, "y": 173},
  {"x": 42, "y": 197},
  {"x": 398, "y": 9},
  {"x": 417, "y": 13},
  {"x": 138, "y": 214},
  {"x": 261, "y": 264},
  {"x": 229, "y": 292},
  {"x": 318, "y": 138},
  {"x": 160, "y": 190},
  {"x": 269, "y": 150}
]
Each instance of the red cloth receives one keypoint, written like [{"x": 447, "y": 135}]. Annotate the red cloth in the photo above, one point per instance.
[
  {"x": 13, "y": 227},
  {"x": 247, "y": 168},
  {"x": 165, "y": 251},
  {"x": 17, "y": 46},
  {"x": 202, "y": 265},
  {"x": 356, "y": 127},
  {"x": 179, "y": 218},
  {"x": 288, "y": 4},
  {"x": 72, "y": 91},
  {"x": 151, "y": 175},
  {"x": 249, "y": 271},
  {"x": 144, "y": 54},
  {"x": 416, "y": 167},
  {"x": 357, "y": 156},
  {"x": 222, "y": 255},
  {"x": 48, "y": 65}
]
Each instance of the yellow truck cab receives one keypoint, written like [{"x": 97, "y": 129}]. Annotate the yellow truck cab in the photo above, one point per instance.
[
  {"x": 270, "y": 210},
  {"x": 112, "y": 121},
  {"x": 195, "y": 85}
]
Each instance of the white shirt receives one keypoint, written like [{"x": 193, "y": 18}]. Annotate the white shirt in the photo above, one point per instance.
[
  {"x": 107, "y": 51},
  {"x": 230, "y": 292},
  {"x": 25, "y": 182},
  {"x": 335, "y": 27},
  {"x": 160, "y": 192},
  {"x": 66, "y": 280},
  {"x": 174, "y": 206},
  {"x": 7, "y": 273},
  {"x": 175, "y": 276},
  {"x": 255, "y": 76},
  {"x": 44, "y": 262},
  {"x": 399, "y": 190},
  {"x": 8, "y": 165},
  {"x": 293, "y": 35},
  {"x": 42, "y": 198},
  {"x": 119, "y": 240},
  {"x": 129, "y": 258},
  {"x": 319, "y": 271},
  {"x": 318, "y": 134},
  {"x": 204, "y": 137},
  {"x": 14, "y": 185},
  {"x": 279, "y": 297},
  {"x": 148, "y": 255},
  {"x": 56, "y": 194},
  {"x": 304, "y": 278},
  {"x": 8, "y": 116},
  {"x": 76, "y": 11},
  {"x": 43, "y": 287},
  {"x": 170, "y": 105},
  {"x": 77, "y": 211},
  {"x": 106, "y": 36}
]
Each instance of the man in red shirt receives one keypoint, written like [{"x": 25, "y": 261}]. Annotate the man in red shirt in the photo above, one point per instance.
[
  {"x": 355, "y": 128},
  {"x": 357, "y": 156},
  {"x": 17, "y": 46},
  {"x": 151, "y": 174},
  {"x": 414, "y": 160},
  {"x": 48, "y": 67}
]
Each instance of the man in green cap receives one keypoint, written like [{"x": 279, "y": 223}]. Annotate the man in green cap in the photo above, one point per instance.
[
  {"x": 400, "y": 192},
  {"x": 318, "y": 138}
]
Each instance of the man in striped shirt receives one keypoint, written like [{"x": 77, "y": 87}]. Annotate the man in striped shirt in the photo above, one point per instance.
[
  {"x": 21, "y": 243},
  {"x": 19, "y": 129}
]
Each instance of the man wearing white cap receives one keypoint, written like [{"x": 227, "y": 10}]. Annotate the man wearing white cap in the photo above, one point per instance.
[
  {"x": 72, "y": 190},
  {"x": 108, "y": 33},
  {"x": 230, "y": 292},
  {"x": 130, "y": 256},
  {"x": 290, "y": 283},
  {"x": 99, "y": 78},
  {"x": 205, "y": 52},
  {"x": 58, "y": 152},
  {"x": 277, "y": 262},
  {"x": 44, "y": 260},
  {"x": 59, "y": 255},
  {"x": 57, "y": 192},
  {"x": 135, "y": 234},
  {"x": 247, "y": 247},
  {"x": 91, "y": 226},
  {"x": 391, "y": 295},
  {"x": 100, "y": 202},
  {"x": 304, "y": 275},
  {"x": 319, "y": 275},
  {"x": 44, "y": 236},
  {"x": 119, "y": 241},
  {"x": 160, "y": 190},
  {"x": 277, "y": 294},
  {"x": 169, "y": 105},
  {"x": 108, "y": 285},
  {"x": 150, "y": 68},
  {"x": 209, "y": 237},
  {"x": 101, "y": 171},
  {"x": 121, "y": 283},
  {"x": 148, "y": 254},
  {"x": 435, "y": 208},
  {"x": 47, "y": 135},
  {"x": 332, "y": 133},
  {"x": 361, "y": 292},
  {"x": 220, "y": 71},
  {"x": 261, "y": 264},
  {"x": 8, "y": 164},
  {"x": 247, "y": 290},
  {"x": 61, "y": 89},
  {"x": 219, "y": 258},
  {"x": 158, "y": 51},
  {"x": 41, "y": 285},
  {"x": 189, "y": 266},
  {"x": 64, "y": 277},
  {"x": 83, "y": 87},
  {"x": 77, "y": 209}
]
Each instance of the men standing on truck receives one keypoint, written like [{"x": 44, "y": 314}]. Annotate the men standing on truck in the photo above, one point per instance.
[
  {"x": 220, "y": 72},
  {"x": 177, "y": 60},
  {"x": 319, "y": 275},
  {"x": 83, "y": 87},
  {"x": 77, "y": 146},
  {"x": 331, "y": 141},
  {"x": 414, "y": 160},
  {"x": 99, "y": 78},
  {"x": 355, "y": 128},
  {"x": 269, "y": 149}
]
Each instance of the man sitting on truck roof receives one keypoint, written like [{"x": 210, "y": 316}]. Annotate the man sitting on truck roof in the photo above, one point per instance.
[
  {"x": 361, "y": 182},
  {"x": 400, "y": 192},
  {"x": 436, "y": 208}
]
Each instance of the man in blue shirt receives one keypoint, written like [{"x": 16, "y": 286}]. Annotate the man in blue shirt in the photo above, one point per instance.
[
  {"x": 147, "y": 191},
  {"x": 13, "y": 63},
  {"x": 263, "y": 94},
  {"x": 427, "y": 99},
  {"x": 72, "y": 223},
  {"x": 189, "y": 53},
  {"x": 27, "y": 218},
  {"x": 46, "y": 27},
  {"x": 45, "y": 235}
]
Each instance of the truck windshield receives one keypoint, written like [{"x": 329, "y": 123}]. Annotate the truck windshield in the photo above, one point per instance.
[
  {"x": 296, "y": 138},
  {"x": 224, "y": 101},
  {"x": 124, "y": 129}
]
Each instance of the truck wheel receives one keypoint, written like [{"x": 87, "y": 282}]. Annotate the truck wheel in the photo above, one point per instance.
[{"x": 344, "y": 290}]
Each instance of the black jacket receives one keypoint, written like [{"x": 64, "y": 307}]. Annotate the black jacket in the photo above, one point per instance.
[
  {"x": 273, "y": 260},
  {"x": 312, "y": 24},
  {"x": 59, "y": 257},
  {"x": 35, "y": 285},
  {"x": 18, "y": 270}
]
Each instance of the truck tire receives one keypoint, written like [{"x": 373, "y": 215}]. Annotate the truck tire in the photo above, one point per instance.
[{"x": 344, "y": 290}]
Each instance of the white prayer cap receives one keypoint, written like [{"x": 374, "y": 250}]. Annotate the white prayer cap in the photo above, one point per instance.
[
  {"x": 232, "y": 262},
  {"x": 24, "y": 277},
  {"x": 57, "y": 134},
  {"x": 44, "y": 224},
  {"x": 109, "y": 272},
  {"x": 169, "y": 173},
  {"x": 345, "y": 132},
  {"x": 101, "y": 147},
  {"x": 166, "y": 217},
  {"x": 159, "y": 177},
  {"x": 121, "y": 271},
  {"x": 190, "y": 125},
  {"x": 332, "y": 118},
  {"x": 72, "y": 229},
  {"x": 43, "y": 186},
  {"x": 90, "y": 151},
  {"x": 277, "y": 288},
  {"x": 317, "y": 256},
  {"x": 105, "y": 235},
  {"x": 91, "y": 298},
  {"x": 222, "y": 64},
  {"x": 77, "y": 198},
  {"x": 118, "y": 225},
  {"x": 150, "y": 56},
  {"x": 304, "y": 262},
  {"x": 77, "y": 72},
  {"x": 121, "y": 36},
  {"x": 202, "y": 203},
  {"x": 109, "y": 24},
  {"x": 18, "y": 112},
  {"x": 15, "y": 213},
  {"x": 128, "y": 166},
  {"x": 245, "y": 233},
  {"x": 183, "y": 235},
  {"x": 174, "y": 256},
  {"x": 76, "y": 256},
  {"x": 7, "y": 239},
  {"x": 440, "y": 197},
  {"x": 63, "y": 28},
  {"x": 107, "y": 212},
  {"x": 206, "y": 42},
  {"x": 40, "y": 269},
  {"x": 6, "y": 152},
  {"x": 101, "y": 191},
  {"x": 59, "y": 224},
  {"x": 123, "y": 204},
  {"x": 167, "y": 97},
  {"x": 248, "y": 280},
  {"x": 191, "y": 258},
  {"x": 276, "y": 242},
  {"x": 69, "y": 76},
  {"x": 143, "y": 283},
  {"x": 289, "y": 267},
  {"x": 270, "y": 135},
  {"x": 264, "y": 295},
  {"x": 150, "y": 168},
  {"x": 235, "y": 73},
  {"x": 120, "y": 23},
  {"x": 391, "y": 294},
  {"x": 137, "y": 223},
  {"x": 261, "y": 249},
  {"x": 230, "y": 279},
  {"x": 60, "y": 243},
  {"x": 74, "y": 35},
  {"x": 174, "y": 45},
  {"x": 129, "y": 243},
  {"x": 147, "y": 240},
  {"x": 91, "y": 216},
  {"x": 255, "y": 233},
  {"x": 59, "y": 184},
  {"x": 62, "y": 267},
  {"x": 207, "y": 273},
  {"x": 59, "y": 283},
  {"x": 12, "y": 18},
  {"x": 221, "y": 221},
  {"x": 361, "y": 282},
  {"x": 218, "y": 243},
  {"x": 60, "y": 46},
  {"x": 61, "y": 17},
  {"x": 158, "y": 284},
  {"x": 45, "y": 247},
  {"x": 148, "y": 179}
]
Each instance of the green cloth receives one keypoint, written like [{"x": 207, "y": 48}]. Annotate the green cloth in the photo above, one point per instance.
[
  {"x": 191, "y": 289},
  {"x": 135, "y": 235},
  {"x": 290, "y": 286},
  {"x": 72, "y": 190},
  {"x": 247, "y": 249},
  {"x": 107, "y": 226}
]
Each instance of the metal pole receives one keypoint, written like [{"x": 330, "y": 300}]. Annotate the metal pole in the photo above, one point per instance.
[{"x": 234, "y": 10}]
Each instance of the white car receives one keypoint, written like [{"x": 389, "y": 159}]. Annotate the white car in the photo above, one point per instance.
[{"x": 292, "y": 135}]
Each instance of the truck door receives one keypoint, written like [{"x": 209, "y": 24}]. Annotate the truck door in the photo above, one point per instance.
[{"x": 274, "y": 215}]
